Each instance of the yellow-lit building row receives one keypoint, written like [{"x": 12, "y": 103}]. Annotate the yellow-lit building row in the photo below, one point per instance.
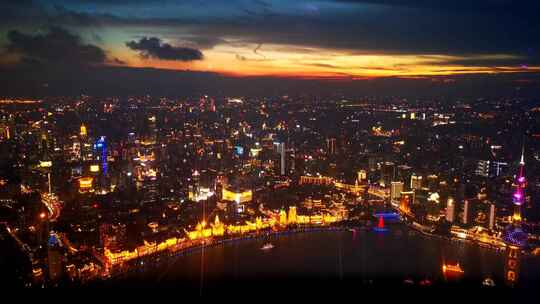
[
  {"x": 237, "y": 196},
  {"x": 218, "y": 229},
  {"x": 148, "y": 248},
  {"x": 316, "y": 180},
  {"x": 85, "y": 184}
]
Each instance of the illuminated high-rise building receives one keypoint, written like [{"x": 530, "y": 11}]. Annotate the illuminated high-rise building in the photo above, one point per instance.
[
  {"x": 194, "y": 188},
  {"x": 518, "y": 198},
  {"x": 404, "y": 174},
  {"x": 405, "y": 202},
  {"x": 332, "y": 170},
  {"x": 450, "y": 210},
  {"x": 280, "y": 149},
  {"x": 432, "y": 182},
  {"x": 55, "y": 260},
  {"x": 514, "y": 234},
  {"x": 395, "y": 190},
  {"x": 466, "y": 212},
  {"x": 331, "y": 146},
  {"x": 83, "y": 132},
  {"x": 361, "y": 176},
  {"x": 372, "y": 162},
  {"x": 416, "y": 182},
  {"x": 482, "y": 168},
  {"x": 492, "y": 215},
  {"x": 487, "y": 168},
  {"x": 4, "y": 132},
  {"x": 387, "y": 173}
]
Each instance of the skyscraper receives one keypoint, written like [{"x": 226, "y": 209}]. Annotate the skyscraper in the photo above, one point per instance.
[
  {"x": 483, "y": 168},
  {"x": 361, "y": 176},
  {"x": 395, "y": 190},
  {"x": 486, "y": 168},
  {"x": 491, "y": 216},
  {"x": 331, "y": 146},
  {"x": 450, "y": 209},
  {"x": 519, "y": 194},
  {"x": 280, "y": 148},
  {"x": 55, "y": 259},
  {"x": 432, "y": 182},
  {"x": 405, "y": 202},
  {"x": 416, "y": 182},
  {"x": 466, "y": 212},
  {"x": 514, "y": 234},
  {"x": 387, "y": 174},
  {"x": 404, "y": 174}
]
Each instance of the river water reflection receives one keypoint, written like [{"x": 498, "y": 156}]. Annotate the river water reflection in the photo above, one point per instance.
[{"x": 365, "y": 256}]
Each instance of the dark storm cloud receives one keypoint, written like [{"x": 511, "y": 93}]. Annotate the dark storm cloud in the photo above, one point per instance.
[
  {"x": 456, "y": 27},
  {"x": 57, "y": 45},
  {"x": 153, "y": 47}
]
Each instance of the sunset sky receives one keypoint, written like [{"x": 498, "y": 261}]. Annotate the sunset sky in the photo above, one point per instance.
[{"x": 300, "y": 38}]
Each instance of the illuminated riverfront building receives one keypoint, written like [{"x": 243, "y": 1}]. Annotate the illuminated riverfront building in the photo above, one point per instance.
[
  {"x": 240, "y": 196},
  {"x": 282, "y": 217},
  {"x": 218, "y": 228},
  {"x": 292, "y": 216}
]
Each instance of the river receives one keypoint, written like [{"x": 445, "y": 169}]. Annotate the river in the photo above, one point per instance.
[{"x": 362, "y": 258}]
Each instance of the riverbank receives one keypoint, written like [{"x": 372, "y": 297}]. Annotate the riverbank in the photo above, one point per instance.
[
  {"x": 399, "y": 254},
  {"x": 140, "y": 265}
]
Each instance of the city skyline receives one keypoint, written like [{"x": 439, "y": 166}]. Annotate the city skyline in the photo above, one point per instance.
[{"x": 255, "y": 146}]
